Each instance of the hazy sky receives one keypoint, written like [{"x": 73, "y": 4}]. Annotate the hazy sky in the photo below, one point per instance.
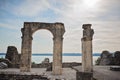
[{"x": 104, "y": 15}]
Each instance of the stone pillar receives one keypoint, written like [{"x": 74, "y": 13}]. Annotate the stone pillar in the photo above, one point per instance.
[
  {"x": 87, "y": 61},
  {"x": 57, "y": 56},
  {"x": 26, "y": 49},
  {"x": 57, "y": 48}
]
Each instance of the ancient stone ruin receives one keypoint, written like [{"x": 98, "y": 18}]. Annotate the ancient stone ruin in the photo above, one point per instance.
[
  {"x": 87, "y": 65},
  {"x": 108, "y": 58},
  {"x": 87, "y": 61},
  {"x": 57, "y": 29},
  {"x": 46, "y": 60},
  {"x": 13, "y": 56},
  {"x": 117, "y": 58}
]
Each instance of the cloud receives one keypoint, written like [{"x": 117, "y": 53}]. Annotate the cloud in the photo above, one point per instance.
[
  {"x": 104, "y": 16},
  {"x": 31, "y": 7},
  {"x": 105, "y": 20}
]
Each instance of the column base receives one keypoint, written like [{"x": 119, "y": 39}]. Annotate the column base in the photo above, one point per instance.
[
  {"x": 57, "y": 71},
  {"x": 84, "y": 76}
]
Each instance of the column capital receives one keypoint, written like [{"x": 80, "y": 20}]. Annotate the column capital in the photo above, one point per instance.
[
  {"x": 30, "y": 37},
  {"x": 87, "y": 32}
]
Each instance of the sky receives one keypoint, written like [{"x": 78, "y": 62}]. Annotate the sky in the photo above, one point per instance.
[{"x": 104, "y": 15}]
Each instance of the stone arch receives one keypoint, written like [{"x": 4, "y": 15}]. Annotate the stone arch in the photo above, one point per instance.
[{"x": 57, "y": 29}]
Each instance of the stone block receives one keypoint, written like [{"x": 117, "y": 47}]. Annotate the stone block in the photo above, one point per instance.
[
  {"x": 3, "y": 65},
  {"x": 13, "y": 56},
  {"x": 84, "y": 75}
]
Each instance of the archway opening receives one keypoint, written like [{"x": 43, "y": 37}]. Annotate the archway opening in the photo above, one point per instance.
[{"x": 42, "y": 46}]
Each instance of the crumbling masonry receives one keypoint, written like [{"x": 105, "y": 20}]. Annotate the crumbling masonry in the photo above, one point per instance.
[{"x": 57, "y": 29}]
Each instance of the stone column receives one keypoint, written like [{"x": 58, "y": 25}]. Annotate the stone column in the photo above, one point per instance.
[
  {"x": 87, "y": 61},
  {"x": 57, "y": 56},
  {"x": 25, "y": 65}
]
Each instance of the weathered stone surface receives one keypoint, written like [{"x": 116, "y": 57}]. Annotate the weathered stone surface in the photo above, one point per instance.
[
  {"x": 22, "y": 77},
  {"x": 64, "y": 65},
  {"x": 87, "y": 61},
  {"x": 3, "y": 65},
  {"x": 70, "y": 64},
  {"x": 84, "y": 76},
  {"x": 117, "y": 58},
  {"x": 13, "y": 56},
  {"x": 49, "y": 68},
  {"x": 57, "y": 29},
  {"x": 106, "y": 58},
  {"x": 87, "y": 65},
  {"x": 115, "y": 68},
  {"x": 8, "y": 62},
  {"x": 87, "y": 32},
  {"x": 41, "y": 65}
]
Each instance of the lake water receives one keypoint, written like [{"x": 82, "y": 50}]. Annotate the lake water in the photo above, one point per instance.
[{"x": 67, "y": 57}]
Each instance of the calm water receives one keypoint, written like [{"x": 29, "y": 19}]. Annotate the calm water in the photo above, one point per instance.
[{"x": 67, "y": 57}]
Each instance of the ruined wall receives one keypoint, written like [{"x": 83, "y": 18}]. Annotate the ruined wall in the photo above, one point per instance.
[{"x": 13, "y": 56}]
